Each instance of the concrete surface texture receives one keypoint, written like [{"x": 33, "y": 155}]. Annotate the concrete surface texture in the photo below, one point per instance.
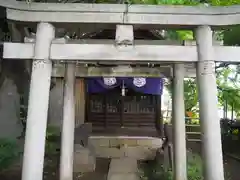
[
  {"x": 139, "y": 148},
  {"x": 10, "y": 123},
  {"x": 123, "y": 168}
]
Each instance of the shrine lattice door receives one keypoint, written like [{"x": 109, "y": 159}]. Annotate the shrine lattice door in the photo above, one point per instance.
[{"x": 111, "y": 110}]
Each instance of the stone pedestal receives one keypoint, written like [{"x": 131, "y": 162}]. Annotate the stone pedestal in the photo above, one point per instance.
[{"x": 84, "y": 160}]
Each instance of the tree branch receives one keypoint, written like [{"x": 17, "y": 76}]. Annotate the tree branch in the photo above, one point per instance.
[{"x": 222, "y": 65}]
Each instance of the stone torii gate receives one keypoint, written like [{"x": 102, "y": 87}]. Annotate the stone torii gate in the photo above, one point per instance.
[{"x": 45, "y": 49}]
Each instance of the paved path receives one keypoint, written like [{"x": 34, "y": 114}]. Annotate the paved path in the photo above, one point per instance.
[{"x": 123, "y": 169}]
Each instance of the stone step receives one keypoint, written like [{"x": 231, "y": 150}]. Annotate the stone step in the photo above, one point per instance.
[
  {"x": 123, "y": 165},
  {"x": 123, "y": 169}
]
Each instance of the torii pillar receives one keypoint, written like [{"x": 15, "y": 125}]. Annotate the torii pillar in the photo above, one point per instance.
[
  {"x": 34, "y": 147},
  {"x": 209, "y": 118},
  {"x": 179, "y": 131},
  {"x": 67, "y": 142}
]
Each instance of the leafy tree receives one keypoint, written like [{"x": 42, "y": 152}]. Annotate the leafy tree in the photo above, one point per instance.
[{"x": 227, "y": 76}]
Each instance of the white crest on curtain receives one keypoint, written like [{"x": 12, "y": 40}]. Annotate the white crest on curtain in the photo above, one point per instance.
[
  {"x": 109, "y": 81},
  {"x": 139, "y": 82}
]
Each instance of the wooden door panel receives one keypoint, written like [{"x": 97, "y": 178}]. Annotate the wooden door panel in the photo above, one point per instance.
[{"x": 111, "y": 110}]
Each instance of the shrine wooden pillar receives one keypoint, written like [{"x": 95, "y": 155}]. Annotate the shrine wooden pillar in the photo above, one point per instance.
[
  {"x": 34, "y": 147},
  {"x": 209, "y": 118}
]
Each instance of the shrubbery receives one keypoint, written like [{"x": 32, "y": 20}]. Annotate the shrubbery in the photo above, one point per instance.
[
  {"x": 52, "y": 146},
  {"x": 194, "y": 167},
  {"x": 9, "y": 153},
  {"x": 153, "y": 171},
  {"x": 10, "y": 150}
]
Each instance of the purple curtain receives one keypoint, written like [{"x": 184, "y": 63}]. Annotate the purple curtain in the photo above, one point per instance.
[{"x": 144, "y": 85}]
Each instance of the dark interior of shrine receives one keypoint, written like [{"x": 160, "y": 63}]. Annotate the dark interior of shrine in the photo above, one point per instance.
[{"x": 133, "y": 113}]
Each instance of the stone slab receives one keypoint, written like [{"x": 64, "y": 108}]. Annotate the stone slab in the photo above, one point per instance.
[
  {"x": 123, "y": 169},
  {"x": 141, "y": 148},
  {"x": 84, "y": 161},
  {"x": 120, "y": 176},
  {"x": 106, "y": 152},
  {"x": 139, "y": 153},
  {"x": 123, "y": 165},
  {"x": 116, "y": 141}
]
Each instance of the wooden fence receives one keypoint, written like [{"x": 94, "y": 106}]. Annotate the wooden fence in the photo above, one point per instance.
[{"x": 193, "y": 132}]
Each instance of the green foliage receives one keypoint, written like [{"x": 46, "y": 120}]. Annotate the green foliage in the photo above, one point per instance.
[
  {"x": 227, "y": 90},
  {"x": 227, "y": 80},
  {"x": 51, "y": 149},
  {"x": 194, "y": 120},
  {"x": 155, "y": 171},
  {"x": 52, "y": 132},
  {"x": 190, "y": 94},
  {"x": 224, "y": 2},
  {"x": 231, "y": 36},
  {"x": 52, "y": 141},
  {"x": 9, "y": 152},
  {"x": 195, "y": 171},
  {"x": 151, "y": 170}
]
